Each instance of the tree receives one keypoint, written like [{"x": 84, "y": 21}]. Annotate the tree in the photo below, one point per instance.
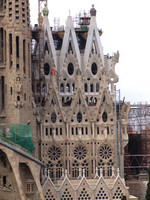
[{"x": 147, "y": 197}]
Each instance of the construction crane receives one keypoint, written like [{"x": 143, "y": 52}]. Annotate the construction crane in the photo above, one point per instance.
[{"x": 41, "y": 4}]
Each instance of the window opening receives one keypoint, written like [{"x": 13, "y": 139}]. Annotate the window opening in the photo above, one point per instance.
[
  {"x": 46, "y": 68},
  {"x": 97, "y": 87},
  {"x": 3, "y": 91},
  {"x": 85, "y": 87},
  {"x": 67, "y": 87},
  {"x": 61, "y": 87},
  {"x": 70, "y": 69},
  {"x": 17, "y": 46},
  {"x": 79, "y": 117},
  {"x": 104, "y": 117},
  {"x": 91, "y": 87},
  {"x": 53, "y": 117},
  {"x": 94, "y": 68}
]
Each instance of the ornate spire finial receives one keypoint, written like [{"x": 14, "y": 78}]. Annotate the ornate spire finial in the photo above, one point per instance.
[{"x": 93, "y": 11}]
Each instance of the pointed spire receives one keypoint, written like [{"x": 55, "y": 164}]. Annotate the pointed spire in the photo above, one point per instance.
[
  {"x": 66, "y": 173},
  {"x": 83, "y": 173},
  {"x": 93, "y": 41},
  {"x": 70, "y": 39},
  {"x": 113, "y": 172},
  {"x": 47, "y": 30},
  {"x": 118, "y": 172}
]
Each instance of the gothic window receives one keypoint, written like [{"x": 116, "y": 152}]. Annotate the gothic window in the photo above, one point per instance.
[
  {"x": 49, "y": 196},
  {"x": 84, "y": 195},
  {"x": 73, "y": 87},
  {"x": 101, "y": 194},
  {"x": 118, "y": 193},
  {"x": 85, "y": 167},
  {"x": 91, "y": 88},
  {"x": 75, "y": 169},
  {"x": 17, "y": 47},
  {"x": 46, "y": 131},
  {"x": 70, "y": 69},
  {"x": 79, "y": 117},
  {"x": 97, "y": 130},
  {"x": 53, "y": 117},
  {"x": 72, "y": 130},
  {"x": 101, "y": 165},
  {"x": 94, "y": 68},
  {"x": 61, "y": 87},
  {"x": 24, "y": 55},
  {"x": 76, "y": 131},
  {"x": 50, "y": 168},
  {"x": 97, "y": 87},
  {"x": 46, "y": 68},
  {"x": 58, "y": 169},
  {"x": 3, "y": 91},
  {"x": 66, "y": 195},
  {"x": 50, "y": 131},
  {"x": 60, "y": 131},
  {"x": 10, "y": 43},
  {"x": 80, "y": 152},
  {"x": 85, "y": 87},
  {"x": 1, "y": 44},
  {"x": 109, "y": 167},
  {"x": 54, "y": 153},
  {"x": 67, "y": 87},
  {"x": 104, "y": 117},
  {"x": 105, "y": 152},
  {"x": 86, "y": 130}
]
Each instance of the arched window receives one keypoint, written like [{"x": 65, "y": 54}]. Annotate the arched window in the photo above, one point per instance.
[
  {"x": 91, "y": 87},
  {"x": 97, "y": 87},
  {"x": 104, "y": 117},
  {"x": 70, "y": 68},
  {"x": 46, "y": 68},
  {"x": 72, "y": 87},
  {"x": 75, "y": 169},
  {"x": 67, "y": 87},
  {"x": 94, "y": 68},
  {"x": 79, "y": 117},
  {"x": 85, "y": 87},
  {"x": 53, "y": 117},
  {"x": 17, "y": 46},
  {"x": 61, "y": 87}
]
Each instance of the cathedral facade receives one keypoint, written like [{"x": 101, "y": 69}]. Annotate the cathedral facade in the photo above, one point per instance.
[{"x": 59, "y": 81}]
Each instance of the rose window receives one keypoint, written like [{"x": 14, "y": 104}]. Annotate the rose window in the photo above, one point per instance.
[
  {"x": 54, "y": 153},
  {"x": 80, "y": 152},
  {"x": 105, "y": 152}
]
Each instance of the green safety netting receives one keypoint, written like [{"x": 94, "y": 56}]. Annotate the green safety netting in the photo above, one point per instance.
[{"x": 21, "y": 135}]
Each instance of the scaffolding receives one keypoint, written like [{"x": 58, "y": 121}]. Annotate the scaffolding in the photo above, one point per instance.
[{"x": 137, "y": 154}]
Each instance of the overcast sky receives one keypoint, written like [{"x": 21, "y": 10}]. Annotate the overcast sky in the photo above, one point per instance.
[{"x": 126, "y": 28}]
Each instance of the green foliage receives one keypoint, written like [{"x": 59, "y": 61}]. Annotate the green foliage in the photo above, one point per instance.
[{"x": 147, "y": 197}]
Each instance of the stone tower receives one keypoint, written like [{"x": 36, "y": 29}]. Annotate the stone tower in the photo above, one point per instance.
[
  {"x": 82, "y": 128},
  {"x": 15, "y": 62}
]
